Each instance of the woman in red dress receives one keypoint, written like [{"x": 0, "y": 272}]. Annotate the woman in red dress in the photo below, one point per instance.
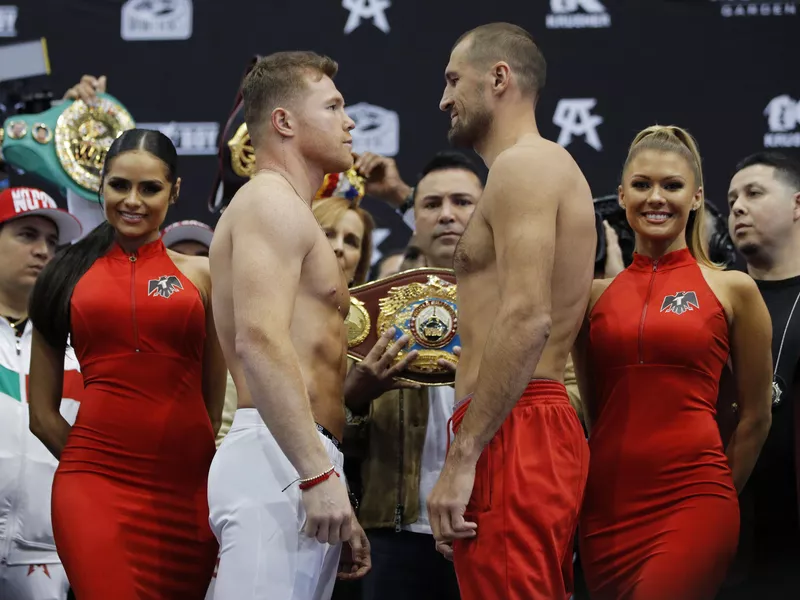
[
  {"x": 660, "y": 519},
  {"x": 130, "y": 514}
]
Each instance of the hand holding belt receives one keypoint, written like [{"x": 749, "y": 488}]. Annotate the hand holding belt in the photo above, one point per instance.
[
  {"x": 67, "y": 144},
  {"x": 420, "y": 303}
]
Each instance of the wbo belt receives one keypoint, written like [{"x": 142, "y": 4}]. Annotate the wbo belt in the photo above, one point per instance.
[
  {"x": 420, "y": 303},
  {"x": 328, "y": 435},
  {"x": 67, "y": 144}
]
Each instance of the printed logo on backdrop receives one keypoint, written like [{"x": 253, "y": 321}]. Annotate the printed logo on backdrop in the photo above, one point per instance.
[
  {"x": 757, "y": 8},
  {"x": 372, "y": 10},
  {"x": 783, "y": 120},
  {"x": 156, "y": 20},
  {"x": 577, "y": 14},
  {"x": 574, "y": 117},
  {"x": 190, "y": 139},
  {"x": 8, "y": 21},
  {"x": 377, "y": 129}
]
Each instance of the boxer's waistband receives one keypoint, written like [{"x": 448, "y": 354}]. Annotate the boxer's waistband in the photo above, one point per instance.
[
  {"x": 538, "y": 390},
  {"x": 249, "y": 417},
  {"x": 329, "y": 435}
]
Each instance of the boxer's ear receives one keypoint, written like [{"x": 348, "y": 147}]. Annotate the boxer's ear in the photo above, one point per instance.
[
  {"x": 501, "y": 77},
  {"x": 283, "y": 122}
]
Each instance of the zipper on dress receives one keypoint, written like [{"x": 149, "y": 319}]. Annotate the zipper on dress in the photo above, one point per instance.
[
  {"x": 644, "y": 312},
  {"x": 132, "y": 258}
]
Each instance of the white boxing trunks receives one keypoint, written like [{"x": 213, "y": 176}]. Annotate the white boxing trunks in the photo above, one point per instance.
[{"x": 263, "y": 552}]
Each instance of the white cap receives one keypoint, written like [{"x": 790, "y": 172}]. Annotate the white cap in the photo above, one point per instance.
[{"x": 187, "y": 231}]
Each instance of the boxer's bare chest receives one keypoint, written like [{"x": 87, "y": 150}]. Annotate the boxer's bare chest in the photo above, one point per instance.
[
  {"x": 323, "y": 280},
  {"x": 474, "y": 253}
]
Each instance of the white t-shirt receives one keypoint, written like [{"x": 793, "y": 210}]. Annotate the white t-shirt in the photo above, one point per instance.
[{"x": 440, "y": 408}]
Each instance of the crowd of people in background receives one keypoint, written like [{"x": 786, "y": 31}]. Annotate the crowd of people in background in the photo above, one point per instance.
[{"x": 153, "y": 427}]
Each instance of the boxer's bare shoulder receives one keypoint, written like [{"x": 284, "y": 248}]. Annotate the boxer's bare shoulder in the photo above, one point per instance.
[
  {"x": 267, "y": 201},
  {"x": 529, "y": 249},
  {"x": 256, "y": 259},
  {"x": 530, "y": 177}
]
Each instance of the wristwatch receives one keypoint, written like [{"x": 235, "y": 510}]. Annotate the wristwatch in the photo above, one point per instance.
[{"x": 407, "y": 203}]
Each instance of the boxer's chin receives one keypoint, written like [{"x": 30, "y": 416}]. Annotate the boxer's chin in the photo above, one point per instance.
[
  {"x": 466, "y": 134},
  {"x": 339, "y": 164},
  {"x": 461, "y": 136}
]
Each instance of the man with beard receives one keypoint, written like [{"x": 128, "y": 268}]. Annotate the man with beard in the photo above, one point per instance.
[
  {"x": 764, "y": 222},
  {"x": 277, "y": 497},
  {"x": 509, "y": 493}
]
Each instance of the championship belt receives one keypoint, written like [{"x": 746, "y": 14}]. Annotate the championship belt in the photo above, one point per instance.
[
  {"x": 67, "y": 144},
  {"x": 420, "y": 303}
]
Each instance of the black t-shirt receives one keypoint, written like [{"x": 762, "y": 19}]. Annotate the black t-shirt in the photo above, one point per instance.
[{"x": 773, "y": 485}]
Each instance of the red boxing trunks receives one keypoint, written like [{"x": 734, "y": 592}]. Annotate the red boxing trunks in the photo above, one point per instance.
[{"x": 529, "y": 484}]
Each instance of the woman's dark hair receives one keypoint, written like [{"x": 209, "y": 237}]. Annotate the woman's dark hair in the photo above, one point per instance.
[{"x": 49, "y": 305}]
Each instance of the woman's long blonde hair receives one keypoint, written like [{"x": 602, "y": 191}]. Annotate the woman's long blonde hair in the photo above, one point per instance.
[
  {"x": 328, "y": 213},
  {"x": 670, "y": 138}
]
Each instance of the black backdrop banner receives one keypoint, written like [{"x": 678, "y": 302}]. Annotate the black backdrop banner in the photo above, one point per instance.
[{"x": 725, "y": 69}]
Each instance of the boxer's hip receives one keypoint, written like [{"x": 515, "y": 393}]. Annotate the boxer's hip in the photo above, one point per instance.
[
  {"x": 248, "y": 421},
  {"x": 256, "y": 512},
  {"x": 250, "y": 464},
  {"x": 528, "y": 488}
]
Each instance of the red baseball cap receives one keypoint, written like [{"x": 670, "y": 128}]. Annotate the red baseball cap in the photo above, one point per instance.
[
  {"x": 187, "y": 231},
  {"x": 28, "y": 202}
]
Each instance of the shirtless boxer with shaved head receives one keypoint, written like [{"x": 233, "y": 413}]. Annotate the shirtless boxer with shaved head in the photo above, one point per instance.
[{"x": 511, "y": 488}]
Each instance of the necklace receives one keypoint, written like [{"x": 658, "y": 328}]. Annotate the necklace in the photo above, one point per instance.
[
  {"x": 778, "y": 385},
  {"x": 14, "y": 324},
  {"x": 286, "y": 179}
]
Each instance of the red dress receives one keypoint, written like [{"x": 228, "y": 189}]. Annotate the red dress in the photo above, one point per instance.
[
  {"x": 661, "y": 516},
  {"x": 130, "y": 512}
]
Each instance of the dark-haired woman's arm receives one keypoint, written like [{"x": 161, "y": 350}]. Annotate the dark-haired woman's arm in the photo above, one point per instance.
[
  {"x": 44, "y": 398},
  {"x": 215, "y": 371}
]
